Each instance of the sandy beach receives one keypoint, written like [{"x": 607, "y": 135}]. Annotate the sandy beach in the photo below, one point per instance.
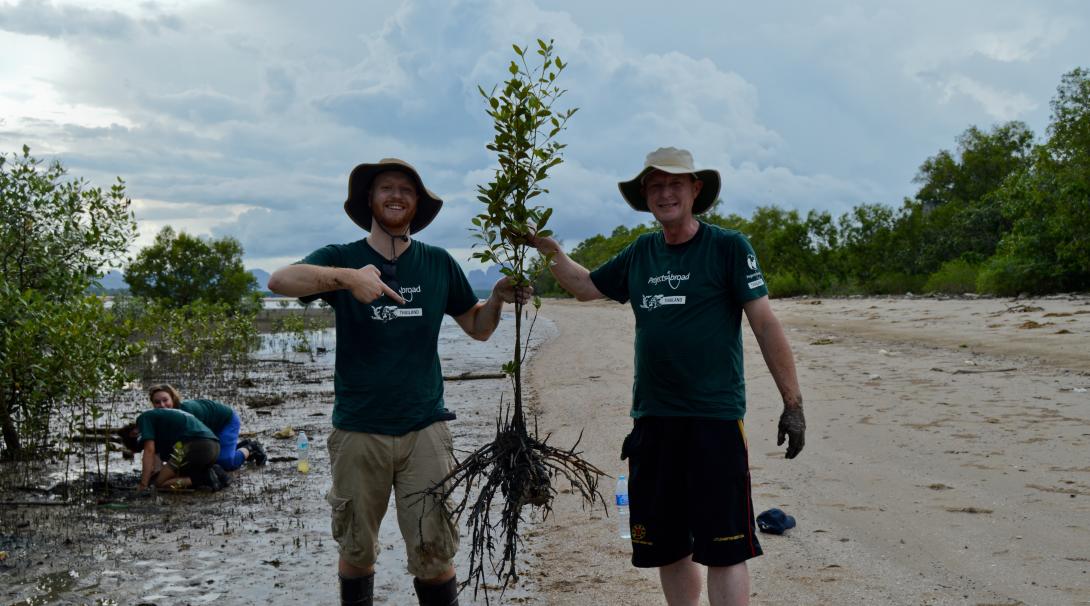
[{"x": 946, "y": 458}]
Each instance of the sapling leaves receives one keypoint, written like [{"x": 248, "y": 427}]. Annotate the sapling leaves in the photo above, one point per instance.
[{"x": 516, "y": 463}]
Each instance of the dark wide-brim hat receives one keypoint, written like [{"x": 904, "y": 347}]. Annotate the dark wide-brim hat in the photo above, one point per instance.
[
  {"x": 358, "y": 204},
  {"x": 674, "y": 161}
]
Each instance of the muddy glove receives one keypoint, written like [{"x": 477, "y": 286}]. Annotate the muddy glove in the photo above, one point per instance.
[{"x": 793, "y": 428}]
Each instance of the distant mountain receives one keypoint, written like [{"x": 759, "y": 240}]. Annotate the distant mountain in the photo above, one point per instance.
[
  {"x": 114, "y": 280},
  {"x": 262, "y": 278},
  {"x": 484, "y": 280}
]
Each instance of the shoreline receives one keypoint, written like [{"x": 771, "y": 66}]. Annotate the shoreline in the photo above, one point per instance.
[
  {"x": 945, "y": 464},
  {"x": 945, "y": 457}
]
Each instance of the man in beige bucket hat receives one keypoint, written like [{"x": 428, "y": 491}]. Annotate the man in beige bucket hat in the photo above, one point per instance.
[
  {"x": 689, "y": 284},
  {"x": 390, "y": 293}
]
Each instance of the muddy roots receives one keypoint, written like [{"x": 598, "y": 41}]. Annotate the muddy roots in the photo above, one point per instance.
[{"x": 521, "y": 470}]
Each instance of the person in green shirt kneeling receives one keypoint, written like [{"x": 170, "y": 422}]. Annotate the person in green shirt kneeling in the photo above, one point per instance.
[
  {"x": 221, "y": 419},
  {"x": 177, "y": 450}
]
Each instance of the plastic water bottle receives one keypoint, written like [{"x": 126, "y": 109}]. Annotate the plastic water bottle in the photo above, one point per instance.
[
  {"x": 304, "y": 453},
  {"x": 622, "y": 507}
]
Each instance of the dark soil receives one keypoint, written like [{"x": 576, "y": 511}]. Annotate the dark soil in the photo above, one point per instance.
[{"x": 264, "y": 539}]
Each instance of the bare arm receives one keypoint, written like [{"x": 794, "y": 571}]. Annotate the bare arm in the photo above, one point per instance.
[
  {"x": 781, "y": 363},
  {"x": 147, "y": 464},
  {"x": 775, "y": 349},
  {"x": 481, "y": 319},
  {"x": 572, "y": 276},
  {"x": 302, "y": 280}
]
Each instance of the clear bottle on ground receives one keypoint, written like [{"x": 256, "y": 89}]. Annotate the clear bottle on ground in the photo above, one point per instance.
[
  {"x": 622, "y": 507},
  {"x": 304, "y": 453}
]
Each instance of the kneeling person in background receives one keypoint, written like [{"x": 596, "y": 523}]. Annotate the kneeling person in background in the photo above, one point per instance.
[
  {"x": 221, "y": 419},
  {"x": 178, "y": 451}
]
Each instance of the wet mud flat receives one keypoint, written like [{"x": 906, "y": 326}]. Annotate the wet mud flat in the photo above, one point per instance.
[{"x": 264, "y": 539}]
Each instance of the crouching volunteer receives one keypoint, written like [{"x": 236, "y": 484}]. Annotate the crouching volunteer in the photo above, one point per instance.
[
  {"x": 221, "y": 419},
  {"x": 177, "y": 450}
]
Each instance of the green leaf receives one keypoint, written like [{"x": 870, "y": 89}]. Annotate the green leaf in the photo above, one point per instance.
[{"x": 544, "y": 218}]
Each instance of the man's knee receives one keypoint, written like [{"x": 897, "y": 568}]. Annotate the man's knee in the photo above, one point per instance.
[
  {"x": 349, "y": 569},
  {"x": 443, "y": 577},
  {"x": 431, "y": 563}
]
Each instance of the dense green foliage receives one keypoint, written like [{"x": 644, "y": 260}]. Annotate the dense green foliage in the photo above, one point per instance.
[
  {"x": 64, "y": 355},
  {"x": 179, "y": 269},
  {"x": 200, "y": 345},
  {"x": 1000, "y": 215},
  {"x": 57, "y": 344},
  {"x": 1048, "y": 205}
]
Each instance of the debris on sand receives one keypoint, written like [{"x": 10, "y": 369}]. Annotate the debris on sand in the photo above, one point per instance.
[
  {"x": 264, "y": 401},
  {"x": 968, "y": 510},
  {"x": 1020, "y": 309},
  {"x": 284, "y": 434}
]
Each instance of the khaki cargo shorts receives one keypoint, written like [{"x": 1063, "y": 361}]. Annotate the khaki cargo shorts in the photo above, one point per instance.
[{"x": 366, "y": 467}]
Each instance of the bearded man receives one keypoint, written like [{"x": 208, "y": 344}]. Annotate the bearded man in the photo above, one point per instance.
[{"x": 390, "y": 292}]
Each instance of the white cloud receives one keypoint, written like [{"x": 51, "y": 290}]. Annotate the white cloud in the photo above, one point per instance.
[
  {"x": 244, "y": 119},
  {"x": 999, "y": 104},
  {"x": 195, "y": 219},
  {"x": 749, "y": 186}
]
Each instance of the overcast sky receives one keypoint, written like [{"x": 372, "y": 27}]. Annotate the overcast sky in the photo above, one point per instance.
[{"x": 243, "y": 118}]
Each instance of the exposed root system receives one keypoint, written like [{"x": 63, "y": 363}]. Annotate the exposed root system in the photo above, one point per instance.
[{"x": 522, "y": 470}]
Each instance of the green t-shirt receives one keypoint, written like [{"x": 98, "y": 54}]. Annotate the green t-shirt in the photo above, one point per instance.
[
  {"x": 168, "y": 426},
  {"x": 688, "y": 300},
  {"x": 387, "y": 378},
  {"x": 210, "y": 412}
]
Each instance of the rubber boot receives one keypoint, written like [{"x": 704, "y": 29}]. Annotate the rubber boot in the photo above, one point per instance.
[
  {"x": 443, "y": 594},
  {"x": 358, "y": 591}
]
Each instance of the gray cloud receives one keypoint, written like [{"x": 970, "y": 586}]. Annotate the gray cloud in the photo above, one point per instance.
[
  {"x": 280, "y": 90},
  {"x": 198, "y": 106},
  {"x": 44, "y": 18},
  {"x": 268, "y": 106}
]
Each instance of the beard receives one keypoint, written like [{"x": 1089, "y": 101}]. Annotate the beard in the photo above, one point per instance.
[{"x": 393, "y": 222}]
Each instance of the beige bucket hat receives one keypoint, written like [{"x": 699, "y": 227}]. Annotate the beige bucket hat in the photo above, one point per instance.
[
  {"x": 675, "y": 161},
  {"x": 358, "y": 204}
]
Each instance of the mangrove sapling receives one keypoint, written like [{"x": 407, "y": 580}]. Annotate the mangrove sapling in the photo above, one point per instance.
[{"x": 516, "y": 464}]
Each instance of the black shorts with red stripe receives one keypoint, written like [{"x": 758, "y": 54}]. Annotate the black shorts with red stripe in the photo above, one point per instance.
[{"x": 689, "y": 492}]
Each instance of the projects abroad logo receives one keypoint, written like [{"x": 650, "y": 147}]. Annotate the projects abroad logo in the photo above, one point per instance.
[
  {"x": 651, "y": 302},
  {"x": 385, "y": 313},
  {"x": 674, "y": 280},
  {"x": 754, "y": 276},
  {"x": 407, "y": 292},
  {"x": 751, "y": 261}
]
